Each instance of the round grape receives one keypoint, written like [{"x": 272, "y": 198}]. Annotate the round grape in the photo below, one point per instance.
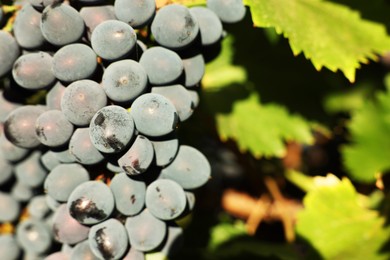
[
  {"x": 174, "y": 26},
  {"x": 82, "y": 148},
  {"x": 19, "y": 127},
  {"x": 111, "y": 129},
  {"x": 53, "y": 129},
  {"x": 124, "y": 80},
  {"x": 190, "y": 168},
  {"x": 154, "y": 115},
  {"x": 63, "y": 179},
  {"x": 33, "y": 71},
  {"x": 66, "y": 229},
  {"x": 61, "y": 24},
  {"x": 113, "y": 39},
  {"x": 91, "y": 202},
  {"x": 9, "y": 52},
  {"x": 129, "y": 194},
  {"x": 163, "y": 66},
  {"x": 74, "y": 62},
  {"x": 137, "y": 13},
  {"x": 108, "y": 240},
  {"x": 165, "y": 199},
  {"x": 81, "y": 100}
]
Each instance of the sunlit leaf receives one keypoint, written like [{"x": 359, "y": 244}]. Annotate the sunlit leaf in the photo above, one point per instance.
[
  {"x": 330, "y": 35},
  {"x": 369, "y": 151},
  {"x": 338, "y": 226}
]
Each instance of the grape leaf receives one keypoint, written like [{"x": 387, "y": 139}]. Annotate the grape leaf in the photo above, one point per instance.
[
  {"x": 258, "y": 128},
  {"x": 330, "y": 35},
  {"x": 338, "y": 226},
  {"x": 369, "y": 151}
]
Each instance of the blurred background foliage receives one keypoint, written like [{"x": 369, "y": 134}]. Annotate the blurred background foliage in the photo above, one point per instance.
[{"x": 307, "y": 148}]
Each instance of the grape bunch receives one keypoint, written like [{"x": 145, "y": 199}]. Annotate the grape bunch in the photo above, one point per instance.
[{"x": 93, "y": 93}]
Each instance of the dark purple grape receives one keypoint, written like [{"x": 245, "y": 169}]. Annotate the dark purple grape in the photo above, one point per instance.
[
  {"x": 19, "y": 127},
  {"x": 53, "y": 129}
]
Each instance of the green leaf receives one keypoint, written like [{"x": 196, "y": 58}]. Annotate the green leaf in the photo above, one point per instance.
[
  {"x": 329, "y": 34},
  {"x": 262, "y": 129},
  {"x": 224, "y": 232},
  {"x": 258, "y": 128},
  {"x": 369, "y": 151},
  {"x": 338, "y": 226}
]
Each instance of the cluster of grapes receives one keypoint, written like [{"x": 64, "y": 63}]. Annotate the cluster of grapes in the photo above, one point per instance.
[{"x": 97, "y": 165}]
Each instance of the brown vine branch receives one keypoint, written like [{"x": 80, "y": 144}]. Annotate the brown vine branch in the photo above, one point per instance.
[{"x": 268, "y": 208}]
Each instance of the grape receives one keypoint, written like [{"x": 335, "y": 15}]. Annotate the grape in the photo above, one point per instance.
[
  {"x": 53, "y": 97},
  {"x": 145, "y": 231},
  {"x": 179, "y": 97},
  {"x": 33, "y": 70},
  {"x": 41, "y": 4},
  {"x": 194, "y": 69},
  {"x": 108, "y": 240},
  {"x": 6, "y": 170},
  {"x": 57, "y": 256},
  {"x": 165, "y": 150},
  {"x": 30, "y": 171},
  {"x": 67, "y": 249},
  {"x": 21, "y": 192},
  {"x": 9, "y": 208},
  {"x": 61, "y": 24},
  {"x": 163, "y": 66},
  {"x": 90, "y": 2},
  {"x": 190, "y": 168},
  {"x": 154, "y": 115},
  {"x": 74, "y": 62},
  {"x": 26, "y": 28},
  {"x": 113, "y": 166},
  {"x": 53, "y": 129},
  {"x": 34, "y": 236},
  {"x": 194, "y": 97},
  {"x": 210, "y": 25},
  {"x": 63, "y": 179},
  {"x": 138, "y": 158},
  {"x": 81, "y": 147},
  {"x": 95, "y": 15},
  {"x": 52, "y": 203},
  {"x": 9, "y": 248},
  {"x": 6, "y": 106},
  {"x": 111, "y": 129},
  {"x": 129, "y": 194},
  {"x": 66, "y": 229},
  {"x": 9, "y": 52},
  {"x": 91, "y": 202},
  {"x": 190, "y": 200},
  {"x": 81, "y": 100},
  {"x": 11, "y": 152},
  {"x": 173, "y": 242},
  {"x": 124, "y": 80},
  {"x": 49, "y": 160},
  {"x": 165, "y": 199},
  {"x": 113, "y": 39},
  {"x": 83, "y": 251},
  {"x": 37, "y": 207},
  {"x": 137, "y": 13},
  {"x": 134, "y": 254},
  {"x": 174, "y": 26},
  {"x": 229, "y": 11},
  {"x": 64, "y": 155}
]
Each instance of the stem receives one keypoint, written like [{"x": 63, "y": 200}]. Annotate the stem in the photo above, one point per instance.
[{"x": 302, "y": 181}]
